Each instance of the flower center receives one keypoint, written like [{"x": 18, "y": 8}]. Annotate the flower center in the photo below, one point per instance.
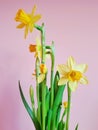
[{"x": 74, "y": 75}]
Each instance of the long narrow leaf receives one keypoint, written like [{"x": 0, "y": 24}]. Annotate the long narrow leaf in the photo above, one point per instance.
[
  {"x": 61, "y": 125},
  {"x": 49, "y": 116},
  {"x": 56, "y": 79},
  {"x": 30, "y": 112},
  {"x": 56, "y": 105},
  {"x": 76, "y": 127},
  {"x": 59, "y": 95},
  {"x": 58, "y": 116},
  {"x": 47, "y": 102}
]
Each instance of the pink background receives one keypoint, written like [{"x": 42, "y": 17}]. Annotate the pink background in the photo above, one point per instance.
[{"x": 73, "y": 25}]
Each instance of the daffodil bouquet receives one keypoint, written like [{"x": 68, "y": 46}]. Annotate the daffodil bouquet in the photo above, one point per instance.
[{"x": 51, "y": 113}]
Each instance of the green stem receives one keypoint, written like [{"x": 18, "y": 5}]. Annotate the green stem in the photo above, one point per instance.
[
  {"x": 64, "y": 113},
  {"x": 52, "y": 74},
  {"x": 43, "y": 43},
  {"x": 44, "y": 82},
  {"x": 38, "y": 27},
  {"x": 42, "y": 30},
  {"x": 43, "y": 104},
  {"x": 68, "y": 109},
  {"x": 51, "y": 52},
  {"x": 37, "y": 87},
  {"x": 37, "y": 74}
]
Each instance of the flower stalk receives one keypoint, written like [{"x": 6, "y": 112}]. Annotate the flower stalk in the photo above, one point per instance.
[
  {"x": 52, "y": 74},
  {"x": 42, "y": 30},
  {"x": 37, "y": 88},
  {"x": 43, "y": 43},
  {"x": 43, "y": 83},
  {"x": 51, "y": 52},
  {"x": 68, "y": 108}
]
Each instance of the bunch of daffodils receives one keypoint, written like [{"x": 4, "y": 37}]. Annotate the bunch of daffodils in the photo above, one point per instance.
[{"x": 47, "y": 115}]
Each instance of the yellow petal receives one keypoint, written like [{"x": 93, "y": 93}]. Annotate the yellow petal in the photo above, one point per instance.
[
  {"x": 83, "y": 80},
  {"x": 41, "y": 77},
  {"x": 31, "y": 27},
  {"x": 63, "y": 69},
  {"x": 82, "y": 68},
  {"x": 70, "y": 62},
  {"x": 62, "y": 81},
  {"x": 26, "y": 31},
  {"x": 33, "y": 10},
  {"x": 38, "y": 52},
  {"x": 21, "y": 25},
  {"x": 36, "y": 18},
  {"x": 38, "y": 41},
  {"x": 73, "y": 85}
]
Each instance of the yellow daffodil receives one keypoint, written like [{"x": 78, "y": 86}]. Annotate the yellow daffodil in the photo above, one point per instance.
[
  {"x": 43, "y": 71},
  {"x": 65, "y": 104},
  {"x": 27, "y": 20},
  {"x": 43, "y": 68},
  {"x": 37, "y": 49},
  {"x": 72, "y": 73}
]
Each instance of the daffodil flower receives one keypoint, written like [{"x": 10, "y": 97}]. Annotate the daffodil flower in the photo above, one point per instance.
[
  {"x": 37, "y": 49},
  {"x": 43, "y": 71},
  {"x": 27, "y": 20},
  {"x": 72, "y": 73},
  {"x": 64, "y": 104}
]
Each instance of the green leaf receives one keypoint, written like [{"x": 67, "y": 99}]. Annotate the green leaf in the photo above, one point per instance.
[
  {"x": 76, "y": 127},
  {"x": 56, "y": 79},
  {"x": 49, "y": 116},
  {"x": 58, "y": 98},
  {"x": 30, "y": 112},
  {"x": 56, "y": 105},
  {"x": 61, "y": 125},
  {"x": 47, "y": 101},
  {"x": 39, "y": 112},
  {"x": 40, "y": 90},
  {"x": 31, "y": 92},
  {"x": 58, "y": 116}
]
